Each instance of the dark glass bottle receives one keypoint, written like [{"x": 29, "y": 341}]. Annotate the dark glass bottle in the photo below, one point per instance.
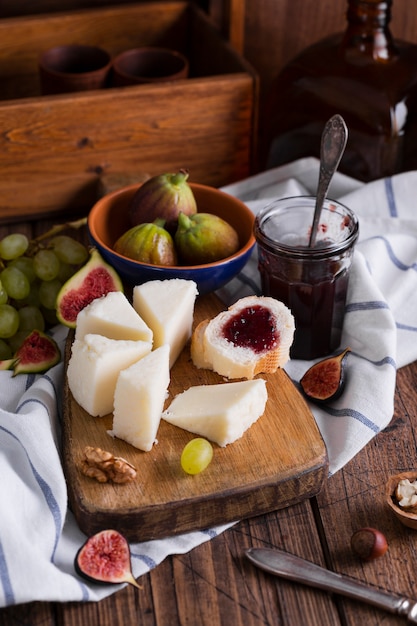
[{"x": 364, "y": 75}]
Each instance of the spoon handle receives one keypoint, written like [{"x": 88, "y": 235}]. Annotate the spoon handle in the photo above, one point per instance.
[{"x": 333, "y": 143}]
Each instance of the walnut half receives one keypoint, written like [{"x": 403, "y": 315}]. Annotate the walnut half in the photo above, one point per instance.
[{"x": 105, "y": 467}]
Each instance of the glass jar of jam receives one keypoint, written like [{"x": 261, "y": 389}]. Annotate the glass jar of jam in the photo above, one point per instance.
[{"x": 311, "y": 281}]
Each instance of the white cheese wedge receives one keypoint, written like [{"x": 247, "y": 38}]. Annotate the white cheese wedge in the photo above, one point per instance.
[
  {"x": 221, "y": 413},
  {"x": 114, "y": 317},
  {"x": 167, "y": 307},
  {"x": 94, "y": 366},
  {"x": 139, "y": 398}
]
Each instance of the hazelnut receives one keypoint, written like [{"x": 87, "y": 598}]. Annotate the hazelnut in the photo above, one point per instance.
[{"x": 368, "y": 543}]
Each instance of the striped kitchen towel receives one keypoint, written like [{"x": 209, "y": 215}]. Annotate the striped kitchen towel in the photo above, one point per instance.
[{"x": 39, "y": 537}]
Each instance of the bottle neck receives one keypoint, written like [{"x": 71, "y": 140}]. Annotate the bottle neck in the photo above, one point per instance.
[{"x": 368, "y": 29}]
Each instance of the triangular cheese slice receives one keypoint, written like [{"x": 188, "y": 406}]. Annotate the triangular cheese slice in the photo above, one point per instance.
[
  {"x": 114, "y": 317},
  {"x": 222, "y": 412},
  {"x": 139, "y": 398},
  {"x": 94, "y": 366},
  {"x": 167, "y": 307}
]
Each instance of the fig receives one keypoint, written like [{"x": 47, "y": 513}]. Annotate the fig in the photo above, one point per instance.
[
  {"x": 148, "y": 243},
  {"x": 325, "y": 380},
  {"x": 165, "y": 197},
  {"x": 37, "y": 353},
  {"x": 94, "y": 279},
  {"x": 204, "y": 238},
  {"x": 105, "y": 558}
]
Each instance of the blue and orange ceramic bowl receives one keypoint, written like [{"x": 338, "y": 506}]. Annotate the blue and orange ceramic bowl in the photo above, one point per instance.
[{"x": 108, "y": 220}]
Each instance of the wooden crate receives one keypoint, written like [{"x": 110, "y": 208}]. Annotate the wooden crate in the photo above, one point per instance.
[{"x": 56, "y": 151}]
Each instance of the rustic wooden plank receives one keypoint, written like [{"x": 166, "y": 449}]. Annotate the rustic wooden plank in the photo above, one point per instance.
[
  {"x": 33, "y": 613},
  {"x": 281, "y": 460},
  {"x": 54, "y": 149},
  {"x": 355, "y": 497},
  {"x": 214, "y": 583}
]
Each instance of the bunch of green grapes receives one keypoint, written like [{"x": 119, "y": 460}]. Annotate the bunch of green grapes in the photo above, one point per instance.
[{"x": 31, "y": 275}]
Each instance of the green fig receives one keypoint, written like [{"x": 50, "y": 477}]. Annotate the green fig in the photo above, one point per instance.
[
  {"x": 204, "y": 238},
  {"x": 148, "y": 243},
  {"x": 163, "y": 197}
]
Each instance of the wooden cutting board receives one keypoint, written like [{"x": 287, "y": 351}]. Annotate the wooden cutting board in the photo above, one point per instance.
[{"x": 279, "y": 461}]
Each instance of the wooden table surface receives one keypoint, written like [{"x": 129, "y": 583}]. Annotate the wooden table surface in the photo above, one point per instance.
[{"x": 215, "y": 584}]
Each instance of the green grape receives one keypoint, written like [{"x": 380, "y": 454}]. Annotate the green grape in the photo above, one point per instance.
[
  {"x": 65, "y": 272},
  {"x": 25, "y": 265},
  {"x": 9, "y": 321},
  {"x": 69, "y": 250},
  {"x": 4, "y": 297},
  {"x": 48, "y": 291},
  {"x": 196, "y": 455},
  {"x": 5, "y": 350},
  {"x": 32, "y": 298},
  {"x": 13, "y": 246},
  {"x": 15, "y": 283},
  {"x": 31, "y": 318},
  {"x": 18, "y": 338},
  {"x": 46, "y": 264},
  {"x": 50, "y": 316}
]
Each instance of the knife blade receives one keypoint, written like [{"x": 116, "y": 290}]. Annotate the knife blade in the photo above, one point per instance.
[{"x": 300, "y": 570}]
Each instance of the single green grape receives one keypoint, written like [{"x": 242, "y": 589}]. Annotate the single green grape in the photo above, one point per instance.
[
  {"x": 46, "y": 264},
  {"x": 69, "y": 250},
  {"x": 13, "y": 246},
  {"x": 48, "y": 291},
  {"x": 18, "y": 338},
  {"x": 25, "y": 265},
  {"x": 4, "y": 297},
  {"x": 31, "y": 318},
  {"x": 66, "y": 270},
  {"x": 32, "y": 298},
  {"x": 196, "y": 455},
  {"x": 9, "y": 321},
  {"x": 15, "y": 283},
  {"x": 5, "y": 350}
]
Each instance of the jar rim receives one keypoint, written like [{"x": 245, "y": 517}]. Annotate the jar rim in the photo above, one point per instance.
[{"x": 318, "y": 252}]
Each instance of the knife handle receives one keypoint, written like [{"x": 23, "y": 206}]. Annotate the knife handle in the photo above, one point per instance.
[{"x": 299, "y": 570}]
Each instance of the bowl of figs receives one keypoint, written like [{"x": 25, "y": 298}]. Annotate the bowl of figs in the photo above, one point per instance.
[{"x": 168, "y": 227}]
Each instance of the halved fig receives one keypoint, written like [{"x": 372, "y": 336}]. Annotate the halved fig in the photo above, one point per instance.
[
  {"x": 96, "y": 278},
  {"x": 105, "y": 558},
  {"x": 37, "y": 354},
  {"x": 324, "y": 381}
]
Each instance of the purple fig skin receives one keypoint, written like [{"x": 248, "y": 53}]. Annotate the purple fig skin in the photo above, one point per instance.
[
  {"x": 163, "y": 197},
  {"x": 105, "y": 558}
]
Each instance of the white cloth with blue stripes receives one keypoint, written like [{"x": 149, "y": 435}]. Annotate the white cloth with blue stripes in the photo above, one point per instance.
[{"x": 38, "y": 534}]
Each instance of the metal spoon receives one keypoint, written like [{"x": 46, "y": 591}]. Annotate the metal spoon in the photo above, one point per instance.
[{"x": 333, "y": 143}]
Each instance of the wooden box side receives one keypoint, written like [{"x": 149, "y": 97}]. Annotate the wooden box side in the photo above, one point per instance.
[{"x": 55, "y": 150}]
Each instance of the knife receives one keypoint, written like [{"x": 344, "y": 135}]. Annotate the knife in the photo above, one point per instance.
[{"x": 299, "y": 570}]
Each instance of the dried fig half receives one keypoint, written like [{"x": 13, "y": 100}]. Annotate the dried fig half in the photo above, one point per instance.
[
  {"x": 105, "y": 558},
  {"x": 324, "y": 381}
]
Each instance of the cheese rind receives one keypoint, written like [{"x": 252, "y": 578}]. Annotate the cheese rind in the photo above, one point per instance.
[
  {"x": 222, "y": 412},
  {"x": 167, "y": 307},
  {"x": 139, "y": 399},
  {"x": 94, "y": 366},
  {"x": 114, "y": 317}
]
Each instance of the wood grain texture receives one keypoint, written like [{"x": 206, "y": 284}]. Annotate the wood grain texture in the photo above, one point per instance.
[
  {"x": 55, "y": 149},
  {"x": 280, "y": 460}
]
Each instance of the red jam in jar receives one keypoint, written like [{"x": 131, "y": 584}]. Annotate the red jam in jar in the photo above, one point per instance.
[{"x": 312, "y": 282}]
